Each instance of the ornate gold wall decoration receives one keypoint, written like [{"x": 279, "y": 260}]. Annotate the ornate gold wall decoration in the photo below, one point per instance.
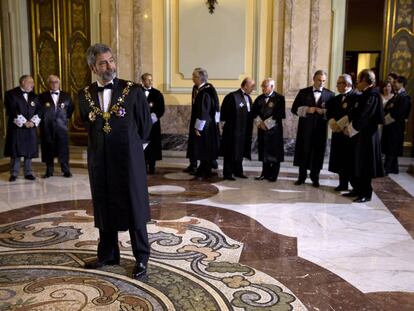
[
  {"x": 401, "y": 58},
  {"x": 60, "y": 38},
  {"x": 399, "y": 47}
]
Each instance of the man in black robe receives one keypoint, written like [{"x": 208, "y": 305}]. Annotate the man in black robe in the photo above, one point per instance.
[
  {"x": 203, "y": 140},
  {"x": 310, "y": 106},
  {"x": 236, "y": 113},
  {"x": 23, "y": 116},
  {"x": 268, "y": 112},
  {"x": 396, "y": 112},
  {"x": 57, "y": 109},
  {"x": 155, "y": 99},
  {"x": 337, "y": 113},
  {"x": 364, "y": 118},
  {"x": 117, "y": 117}
]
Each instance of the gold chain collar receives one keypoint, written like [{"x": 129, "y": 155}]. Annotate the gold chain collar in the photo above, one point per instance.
[{"x": 118, "y": 109}]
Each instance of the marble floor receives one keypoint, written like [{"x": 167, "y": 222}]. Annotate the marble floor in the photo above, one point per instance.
[{"x": 230, "y": 245}]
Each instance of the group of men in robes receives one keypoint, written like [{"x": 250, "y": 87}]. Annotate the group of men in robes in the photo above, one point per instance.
[
  {"x": 353, "y": 116},
  {"x": 238, "y": 115},
  {"x": 50, "y": 111}
]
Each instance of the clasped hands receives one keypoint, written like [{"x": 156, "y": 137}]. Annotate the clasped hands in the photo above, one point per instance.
[
  {"x": 29, "y": 124},
  {"x": 315, "y": 109}
]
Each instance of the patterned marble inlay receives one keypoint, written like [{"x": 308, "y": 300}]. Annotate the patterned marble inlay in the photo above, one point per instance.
[{"x": 192, "y": 264}]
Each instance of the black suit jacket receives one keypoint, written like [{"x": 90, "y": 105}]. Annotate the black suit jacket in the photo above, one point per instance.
[
  {"x": 21, "y": 141},
  {"x": 54, "y": 126},
  {"x": 116, "y": 163},
  {"x": 312, "y": 129},
  {"x": 237, "y": 131},
  {"x": 156, "y": 104}
]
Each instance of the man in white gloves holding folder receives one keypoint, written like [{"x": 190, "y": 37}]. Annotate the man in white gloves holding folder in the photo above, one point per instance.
[{"x": 22, "y": 108}]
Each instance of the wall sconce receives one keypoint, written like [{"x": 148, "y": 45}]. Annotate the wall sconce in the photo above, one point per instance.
[{"x": 211, "y": 5}]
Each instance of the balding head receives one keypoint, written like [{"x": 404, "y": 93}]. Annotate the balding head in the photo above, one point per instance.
[
  {"x": 54, "y": 82},
  {"x": 248, "y": 85}
]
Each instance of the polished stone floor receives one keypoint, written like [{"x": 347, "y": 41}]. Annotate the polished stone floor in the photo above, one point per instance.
[{"x": 216, "y": 245}]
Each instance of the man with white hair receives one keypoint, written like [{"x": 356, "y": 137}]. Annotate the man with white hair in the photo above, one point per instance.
[
  {"x": 203, "y": 138},
  {"x": 268, "y": 112},
  {"x": 23, "y": 116},
  {"x": 57, "y": 109},
  {"x": 337, "y": 113}
]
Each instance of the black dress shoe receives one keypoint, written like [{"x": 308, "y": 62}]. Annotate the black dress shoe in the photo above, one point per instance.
[
  {"x": 96, "y": 264},
  {"x": 315, "y": 184},
  {"x": 228, "y": 178},
  {"x": 67, "y": 174},
  {"x": 261, "y": 177},
  {"x": 241, "y": 176},
  {"x": 362, "y": 199},
  {"x": 139, "y": 272},
  {"x": 272, "y": 179},
  {"x": 29, "y": 177},
  {"x": 350, "y": 194},
  {"x": 341, "y": 188},
  {"x": 12, "y": 178},
  {"x": 299, "y": 182},
  {"x": 47, "y": 175}
]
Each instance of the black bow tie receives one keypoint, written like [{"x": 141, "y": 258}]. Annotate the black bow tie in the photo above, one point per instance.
[
  {"x": 54, "y": 93},
  {"x": 317, "y": 91},
  {"x": 109, "y": 86},
  {"x": 24, "y": 92}
]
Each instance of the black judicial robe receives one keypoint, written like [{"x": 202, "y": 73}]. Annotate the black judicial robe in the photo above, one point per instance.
[
  {"x": 312, "y": 129},
  {"x": 54, "y": 126},
  {"x": 237, "y": 130},
  {"x": 365, "y": 117},
  {"x": 155, "y": 100},
  {"x": 341, "y": 145},
  {"x": 270, "y": 142},
  {"x": 116, "y": 163},
  {"x": 392, "y": 139},
  {"x": 21, "y": 141},
  {"x": 205, "y": 106}
]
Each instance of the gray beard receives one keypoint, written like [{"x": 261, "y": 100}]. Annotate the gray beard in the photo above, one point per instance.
[{"x": 108, "y": 76}]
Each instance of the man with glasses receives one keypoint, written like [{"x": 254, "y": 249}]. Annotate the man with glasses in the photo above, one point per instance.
[{"x": 337, "y": 113}]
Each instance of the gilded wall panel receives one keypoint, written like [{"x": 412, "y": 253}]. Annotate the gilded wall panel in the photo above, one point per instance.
[
  {"x": 60, "y": 37},
  {"x": 399, "y": 47}
]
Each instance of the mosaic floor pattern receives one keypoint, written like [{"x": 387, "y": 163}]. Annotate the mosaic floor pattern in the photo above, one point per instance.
[{"x": 193, "y": 266}]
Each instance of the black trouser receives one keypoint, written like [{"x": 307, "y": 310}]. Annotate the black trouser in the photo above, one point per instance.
[
  {"x": 391, "y": 164},
  {"x": 232, "y": 167},
  {"x": 270, "y": 170},
  {"x": 303, "y": 173},
  {"x": 108, "y": 248},
  {"x": 151, "y": 164},
  {"x": 343, "y": 180},
  {"x": 15, "y": 166},
  {"x": 63, "y": 165},
  {"x": 362, "y": 186},
  {"x": 204, "y": 169}
]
